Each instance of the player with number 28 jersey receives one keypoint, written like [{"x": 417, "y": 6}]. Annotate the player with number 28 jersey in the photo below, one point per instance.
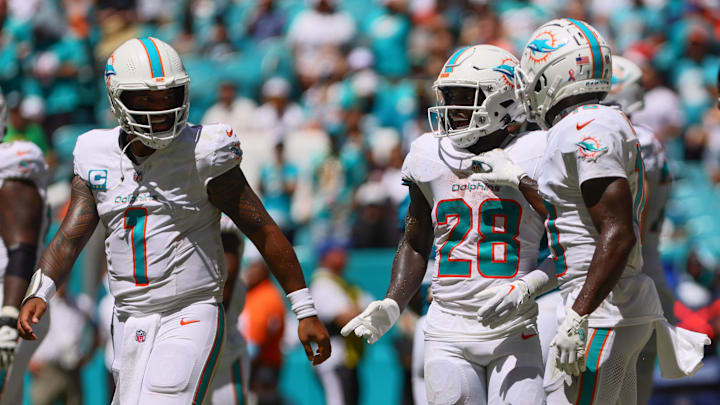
[
  {"x": 484, "y": 235},
  {"x": 481, "y": 344}
]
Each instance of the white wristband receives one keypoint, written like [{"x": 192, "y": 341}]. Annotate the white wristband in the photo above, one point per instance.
[
  {"x": 302, "y": 304},
  {"x": 41, "y": 286}
]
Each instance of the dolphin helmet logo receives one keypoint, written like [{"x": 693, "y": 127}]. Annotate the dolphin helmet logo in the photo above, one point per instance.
[
  {"x": 109, "y": 71},
  {"x": 542, "y": 45},
  {"x": 507, "y": 70}
]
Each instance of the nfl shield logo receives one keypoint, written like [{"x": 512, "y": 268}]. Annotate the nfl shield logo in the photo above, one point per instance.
[{"x": 140, "y": 335}]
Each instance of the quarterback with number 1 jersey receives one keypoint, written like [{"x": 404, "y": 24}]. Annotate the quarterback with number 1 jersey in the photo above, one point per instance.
[
  {"x": 163, "y": 248},
  {"x": 158, "y": 185},
  {"x": 163, "y": 235}
]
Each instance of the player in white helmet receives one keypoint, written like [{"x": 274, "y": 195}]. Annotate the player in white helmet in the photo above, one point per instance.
[
  {"x": 592, "y": 187},
  {"x": 159, "y": 186},
  {"x": 487, "y": 242},
  {"x": 23, "y": 178},
  {"x": 627, "y": 93}
]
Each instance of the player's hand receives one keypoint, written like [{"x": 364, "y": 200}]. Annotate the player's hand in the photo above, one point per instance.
[
  {"x": 502, "y": 302},
  {"x": 570, "y": 343},
  {"x": 311, "y": 330},
  {"x": 496, "y": 167},
  {"x": 8, "y": 335},
  {"x": 374, "y": 321},
  {"x": 30, "y": 314}
]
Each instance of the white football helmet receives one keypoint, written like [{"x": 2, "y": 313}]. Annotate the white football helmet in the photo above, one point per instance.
[
  {"x": 146, "y": 64},
  {"x": 626, "y": 90},
  {"x": 563, "y": 58},
  {"x": 485, "y": 73}
]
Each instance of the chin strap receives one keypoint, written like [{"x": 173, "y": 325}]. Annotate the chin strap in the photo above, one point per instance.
[{"x": 122, "y": 153}]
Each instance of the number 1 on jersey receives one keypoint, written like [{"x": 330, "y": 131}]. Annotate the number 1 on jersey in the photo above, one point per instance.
[{"x": 136, "y": 220}]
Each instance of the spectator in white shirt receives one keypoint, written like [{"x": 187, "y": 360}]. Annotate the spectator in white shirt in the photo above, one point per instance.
[{"x": 239, "y": 113}]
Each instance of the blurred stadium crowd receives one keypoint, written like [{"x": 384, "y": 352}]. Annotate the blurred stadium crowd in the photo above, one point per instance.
[{"x": 327, "y": 95}]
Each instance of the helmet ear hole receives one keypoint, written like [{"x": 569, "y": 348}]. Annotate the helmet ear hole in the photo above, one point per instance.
[{"x": 507, "y": 103}]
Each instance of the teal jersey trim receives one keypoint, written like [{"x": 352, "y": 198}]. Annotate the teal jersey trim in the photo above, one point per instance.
[{"x": 589, "y": 377}]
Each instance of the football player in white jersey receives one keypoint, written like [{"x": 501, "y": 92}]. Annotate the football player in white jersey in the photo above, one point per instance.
[
  {"x": 159, "y": 186},
  {"x": 233, "y": 375},
  {"x": 592, "y": 187},
  {"x": 487, "y": 242},
  {"x": 23, "y": 178},
  {"x": 627, "y": 93}
]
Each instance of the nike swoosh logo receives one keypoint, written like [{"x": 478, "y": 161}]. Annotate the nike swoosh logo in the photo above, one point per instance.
[
  {"x": 522, "y": 335},
  {"x": 183, "y": 322},
  {"x": 23, "y": 152},
  {"x": 512, "y": 287},
  {"x": 579, "y": 127},
  {"x": 229, "y": 133}
]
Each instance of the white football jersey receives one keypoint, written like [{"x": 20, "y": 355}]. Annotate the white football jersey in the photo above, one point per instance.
[
  {"x": 485, "y": 235},
  {"x": 162, "y": 237},
  {"x": 592, "y": 142},
  {"x": 22, "y": 160}
]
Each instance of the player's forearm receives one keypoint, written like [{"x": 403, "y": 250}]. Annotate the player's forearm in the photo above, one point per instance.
[
  {"x": 606, "y": 268},
  {"x": 408, "y": 271},
  {"x": 59, "y": 256},
  {"x": 280, "y": 257},
  {"x": 21, "y": 214}
]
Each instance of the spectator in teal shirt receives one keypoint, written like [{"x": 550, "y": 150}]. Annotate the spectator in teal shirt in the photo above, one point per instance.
[
  {"x": 278, "y": 180},
  {"x": 389, "y": 32}
]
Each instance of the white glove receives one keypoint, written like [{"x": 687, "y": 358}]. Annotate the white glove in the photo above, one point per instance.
[
  {"x": 8, "y": 335},
  {"x": 570, "y": 343},
  {"x": 502, "y": 302},
  {"x": 374, "y": 321},
  {"x": 496, "y": 167}
]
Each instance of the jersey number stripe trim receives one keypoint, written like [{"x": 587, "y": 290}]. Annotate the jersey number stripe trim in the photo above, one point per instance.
[
  {"x": 588, "y": 379},
  {"x": 498, "y": 248},
  {"x": 237, "y": 382},
  {"x": 640, "y": 192},
  {"x": 556, "y": 248},
  {"x": 135, "y": 219},
  {"x": 209, "y": 367}
]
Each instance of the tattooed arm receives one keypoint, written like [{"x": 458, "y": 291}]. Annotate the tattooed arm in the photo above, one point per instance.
[
  {"x": 60, "y": 255},
  {"x": 231, "y": 193}
]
